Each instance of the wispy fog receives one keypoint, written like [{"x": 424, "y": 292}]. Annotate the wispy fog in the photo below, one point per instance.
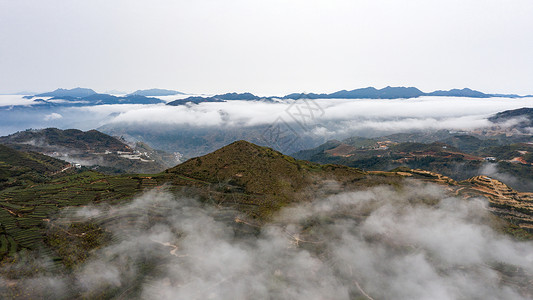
[
  {"x": 414, "y": 242},
  {"x": 7, "y": 100},
  {"x": 520, "y": 183}
]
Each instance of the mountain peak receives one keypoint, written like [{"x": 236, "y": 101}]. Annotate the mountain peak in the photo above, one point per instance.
[
  {"x": 267, "y": 179},
  {"x": 241, "y": 162},
  {"x": 75, "y": 92},
  {"x": 257, "y": 169}
]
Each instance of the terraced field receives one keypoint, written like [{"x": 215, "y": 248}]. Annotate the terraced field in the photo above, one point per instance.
[{"x": 25, "y": 211}]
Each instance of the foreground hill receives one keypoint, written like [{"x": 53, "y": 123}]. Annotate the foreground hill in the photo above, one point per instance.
[
  {"x": 91, "y": 148},
  {"x": 264, "y": 179},
  {"x": 242, "y": 188},
  {"x": 256, "y": 181}
]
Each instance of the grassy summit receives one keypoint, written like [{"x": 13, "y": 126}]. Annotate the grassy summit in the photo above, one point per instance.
[
  {"x": 257, "y": 169},
  {"x": 261, "y": 180}
]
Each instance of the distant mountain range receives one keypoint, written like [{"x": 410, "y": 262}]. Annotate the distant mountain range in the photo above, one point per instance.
[
  {"x": 465, "y": 93},
  {"x": 365, "y": 93},
  {"x": 218, "y": 98},
  {"x": 84, "y": 97},
  {"x": 194, "y": 100},
  {"x": 156, "y": 93},
  {"x": 84, "y": 92},
  {"x": 398, "y": 93},
  {"x": 362, "y": 93},
  {"x": 75, "y": 92}
]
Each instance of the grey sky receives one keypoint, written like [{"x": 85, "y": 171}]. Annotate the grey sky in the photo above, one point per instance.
[{"x": 266, "y": 47}]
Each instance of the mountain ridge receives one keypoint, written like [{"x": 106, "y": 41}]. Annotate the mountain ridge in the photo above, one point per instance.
[
  {"x": 361, "y": 93},
  {"x": 85, "y": 97},
  {"x": 75, "y": 92}
]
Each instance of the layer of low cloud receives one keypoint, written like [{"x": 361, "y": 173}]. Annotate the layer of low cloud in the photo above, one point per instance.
[
  {"x": 407, "y": 113},
  {"x": 385, "y": 243},
  {"x": 8, "y": 100},
  {"x": 323, "y": 117}
]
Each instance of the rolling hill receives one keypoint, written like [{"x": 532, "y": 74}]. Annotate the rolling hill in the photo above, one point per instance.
[{"x": 92, "y": 148}]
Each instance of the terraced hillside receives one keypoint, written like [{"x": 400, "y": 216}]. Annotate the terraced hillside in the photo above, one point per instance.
[
  {"x": 21, "y": 168},
  {"x": 514, "y": 207},
  {"x": 505, "y": 202},
  {"x": 25, "y": 211}
]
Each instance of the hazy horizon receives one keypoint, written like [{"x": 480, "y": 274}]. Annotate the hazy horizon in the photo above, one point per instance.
[{"x": 266, "y": 48}]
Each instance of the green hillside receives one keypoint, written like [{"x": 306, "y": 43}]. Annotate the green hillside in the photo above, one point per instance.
[{"x": 21, "y": 168}]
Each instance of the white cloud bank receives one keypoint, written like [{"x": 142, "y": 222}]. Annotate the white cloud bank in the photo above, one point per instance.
[
  {"x": 53, "y": 116},
  {"x": 399, "y": 114},
  {"x": 8, "y": 100}
]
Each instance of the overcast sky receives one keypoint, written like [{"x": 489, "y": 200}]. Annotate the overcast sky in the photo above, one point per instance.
[{"x": 266, "y": 47}]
